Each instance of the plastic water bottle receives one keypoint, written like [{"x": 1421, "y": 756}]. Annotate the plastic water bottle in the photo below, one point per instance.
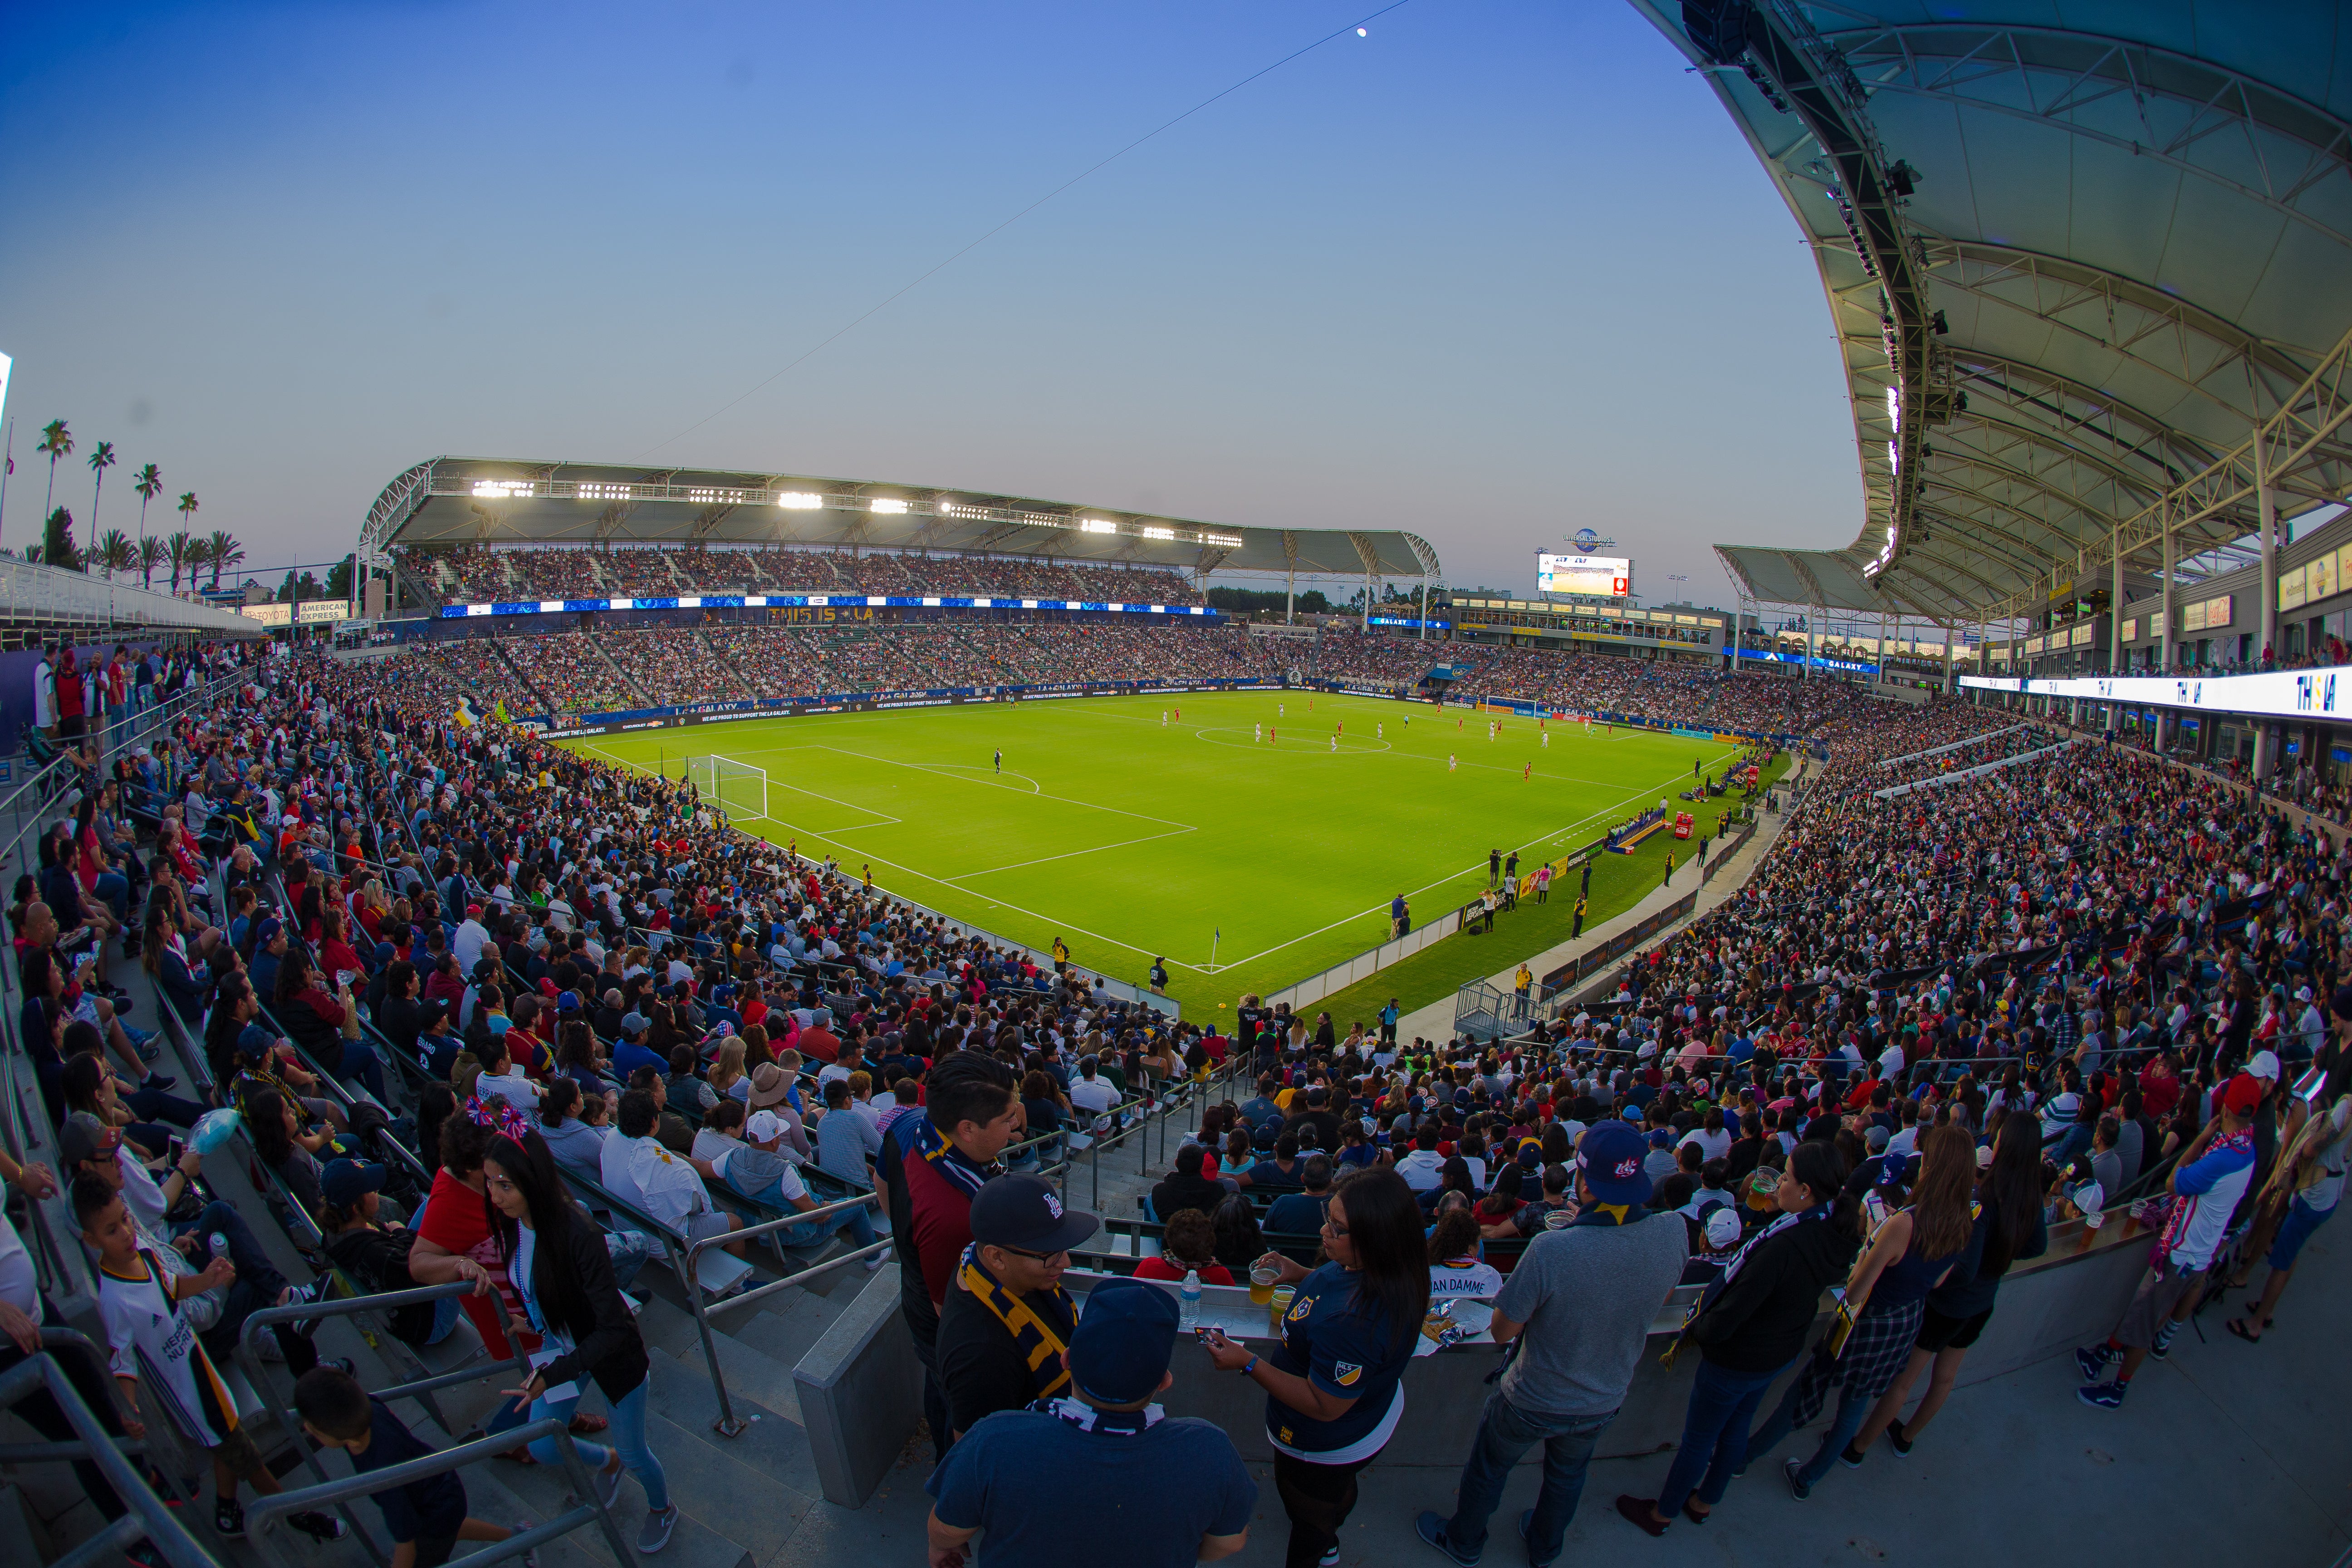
[
  {"x": 218, "y": 1242},
  {"x": 1188, "y": 1299}
]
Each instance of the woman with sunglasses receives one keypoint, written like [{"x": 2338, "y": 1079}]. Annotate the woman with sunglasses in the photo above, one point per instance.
[{"x": 1333, "y": 1388}]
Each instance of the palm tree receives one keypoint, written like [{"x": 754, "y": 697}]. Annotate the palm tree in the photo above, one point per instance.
[
  {"x": 187, "y": 509},
  {"x": 100, "y": 462},
  {"x": 149, "y": 484},
  {"x": 200, "y": 550},
  {"x": 175, "y": 551},
  {"x": 114, "y": 553},
  {"x": 151, "y": 555},
  {"x": 225, "y": 552},
  {"x": 57, "y": 441}
]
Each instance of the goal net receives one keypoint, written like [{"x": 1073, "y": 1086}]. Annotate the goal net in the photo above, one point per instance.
[{"x": 737, "y": 791}]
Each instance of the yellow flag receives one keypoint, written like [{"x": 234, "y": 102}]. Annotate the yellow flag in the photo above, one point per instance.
[{"x": 501, "y": 710}]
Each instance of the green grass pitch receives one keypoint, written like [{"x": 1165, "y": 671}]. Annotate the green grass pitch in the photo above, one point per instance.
[{"x": 1129, "y": 837}]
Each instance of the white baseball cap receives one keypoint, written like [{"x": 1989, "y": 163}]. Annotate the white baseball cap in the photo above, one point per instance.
[
  {"x": 2265, "y": 1065},
  {"x": 1722, "y": 1226},
  {"x": 765, "y": 1127}
]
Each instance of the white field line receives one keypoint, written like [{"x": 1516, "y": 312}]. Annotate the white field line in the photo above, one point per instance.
[{"x": 1069, "y": 854}]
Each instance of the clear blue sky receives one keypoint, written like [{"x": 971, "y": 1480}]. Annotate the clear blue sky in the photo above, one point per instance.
[{"x": 1493, "y": 272}]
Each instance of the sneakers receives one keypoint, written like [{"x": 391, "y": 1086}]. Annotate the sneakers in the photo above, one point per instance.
[
  {"x": 531, "y": 1558},
  {"x": 2092, "y": 1360},
  {"x": 608, "y": 1485},
  {"x": 319, "y": 1527},
  {"x": 1898, "y": 1440},
  {"x": 2163, "y": 1346},
  {"x": 876, "y": 1261},
  {"x": 228, "y": 1519},
  {"x": 160, "y": 1082},
  {"x": 2103, "y": 1395},
  {"x": 1795, "y": 1470},
  {"x": 655, "y": 1533},
  {"x": 1849, "y": 1459},
  {"x": 1328, "y": 1559},
  {"x": 1430, "y": 1527}
]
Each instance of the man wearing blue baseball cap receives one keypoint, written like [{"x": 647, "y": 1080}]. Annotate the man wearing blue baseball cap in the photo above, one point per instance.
[
  {"x": 1576, "y": 1313},
  {"x": 1101, "y": 1467}
]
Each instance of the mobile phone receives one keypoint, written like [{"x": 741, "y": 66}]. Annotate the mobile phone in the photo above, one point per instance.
[{"x": 1210, "y": 1336}]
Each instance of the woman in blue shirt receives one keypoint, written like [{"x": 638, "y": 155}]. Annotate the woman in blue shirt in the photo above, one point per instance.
[{"x": 1333, "y": 1386}]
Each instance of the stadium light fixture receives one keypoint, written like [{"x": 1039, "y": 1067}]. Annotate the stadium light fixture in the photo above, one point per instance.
[
  {"x": 800, "y": 500},
  {"x": 1096, "y": 525},
  {"x": 886, "y": 505},
  {"x": 1229, "y": 541},
  {"x": 1152, "y": 531},
  {"x": 500, "y": 490}
]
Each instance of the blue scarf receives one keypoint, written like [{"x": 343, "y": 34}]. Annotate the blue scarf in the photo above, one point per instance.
[{"x": 923, "y": 1139}]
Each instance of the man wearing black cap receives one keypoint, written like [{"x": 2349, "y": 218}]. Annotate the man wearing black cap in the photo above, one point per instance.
[
  {"x": 1099, "y": 1468},
  {"x": 1007, "y": 1317}
]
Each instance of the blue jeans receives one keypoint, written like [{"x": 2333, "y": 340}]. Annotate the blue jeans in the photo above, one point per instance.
[
  {"x": 360, "y": 1062},
  {"x": 1852, "y": 1410},
  {"x": 1504, "y": 1434},
  {"x": 115, "y": 889},
  {"x": 629, "y": 1250},
  {"x": 629, "y": 1436},
  {"x": 1715, "y": 1434},
  {"x": 858, "y": 1222}
]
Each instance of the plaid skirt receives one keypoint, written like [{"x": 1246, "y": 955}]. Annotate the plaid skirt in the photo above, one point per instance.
[{"x": 1874, "y": 1352}]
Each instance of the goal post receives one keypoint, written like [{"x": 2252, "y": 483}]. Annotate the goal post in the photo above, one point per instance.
[{"x": 736, "y": 790}]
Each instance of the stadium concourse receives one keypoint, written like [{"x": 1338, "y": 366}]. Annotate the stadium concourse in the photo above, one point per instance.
[{"x": 390, "y": 938}]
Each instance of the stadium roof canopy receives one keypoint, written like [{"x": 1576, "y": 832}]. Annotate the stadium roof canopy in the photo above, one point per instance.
[
  {"x": 2078, "y": 258},
  {"x": 453, "y": 501}
]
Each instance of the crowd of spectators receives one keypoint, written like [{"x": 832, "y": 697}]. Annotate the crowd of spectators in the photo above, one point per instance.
[
  {"x": 476, "y": 573},
  {"x": 2080, "y": 987},
  {"x": 565, "y": 668}
]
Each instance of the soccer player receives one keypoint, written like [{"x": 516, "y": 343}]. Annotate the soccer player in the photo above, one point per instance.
[
  {"x": 1379, "y": 731},
  {"x": 1450, "y": 764},
  {"x": 1335, "y": 745},
  {"x": 1274, "y": 737},
  {"x": 1529, "y": 772},
  {"x": 1547, "y": 740},
  {"x": 1000, "y": 759},
  {"x": 1163, "y": 717},
  {"x": 1281, "y": 709},
  {"x": 1257, "y": 733}
]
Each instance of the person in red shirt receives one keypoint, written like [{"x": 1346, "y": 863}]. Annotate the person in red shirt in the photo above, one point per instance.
[
  {"x": 820, "y": 1042},
  {"x": 931, "y": 1164},
  {"x": 1189, "y": 1241}
]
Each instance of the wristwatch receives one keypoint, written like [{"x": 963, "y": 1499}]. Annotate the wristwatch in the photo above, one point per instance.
[{"x": 1249, "y": 1366}]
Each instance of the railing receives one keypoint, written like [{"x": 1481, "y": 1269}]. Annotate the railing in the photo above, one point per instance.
[
  {"x": 58, "y": 596},
  {"x": 587, "y": 1510},
  {"x": 249, "y": 1353},
  {"x": 728, "y": 1425},
  {"x": 144, "y": 1513}
]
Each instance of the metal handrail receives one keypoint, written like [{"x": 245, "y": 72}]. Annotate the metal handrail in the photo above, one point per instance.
[
  {"x": 248, "y": 1352},
  {"x": 144, "y": 1513},
  {"x": 728, "y": 1425},
  {"x": 589, "y": 1509}
]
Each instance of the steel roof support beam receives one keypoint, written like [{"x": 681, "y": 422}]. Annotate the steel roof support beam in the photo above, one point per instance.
[{"x": 2268, "y": 147}]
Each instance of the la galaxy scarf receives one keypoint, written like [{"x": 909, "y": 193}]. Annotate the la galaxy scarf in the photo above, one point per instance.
[
  {"x": 946, "y": 1159},
  {"x": 1041, "y": 1340}
]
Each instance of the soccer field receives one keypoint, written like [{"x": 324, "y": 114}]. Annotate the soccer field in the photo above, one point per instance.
[{"x": 1248, "y": 863}]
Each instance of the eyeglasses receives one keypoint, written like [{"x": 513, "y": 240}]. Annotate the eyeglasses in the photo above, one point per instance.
[
  {"x": 1333, "y": 1226},
  {"x": 1034, "y": 1257}
]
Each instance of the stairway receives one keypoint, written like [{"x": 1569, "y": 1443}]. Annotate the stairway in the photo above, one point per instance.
[{"x": 596, "y": 571}]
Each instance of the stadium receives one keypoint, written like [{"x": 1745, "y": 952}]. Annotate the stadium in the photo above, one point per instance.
[{"x": 676, "y": 1006}]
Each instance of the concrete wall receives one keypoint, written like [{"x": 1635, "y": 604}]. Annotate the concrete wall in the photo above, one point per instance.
[{"x": 861, "y": 1391}]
